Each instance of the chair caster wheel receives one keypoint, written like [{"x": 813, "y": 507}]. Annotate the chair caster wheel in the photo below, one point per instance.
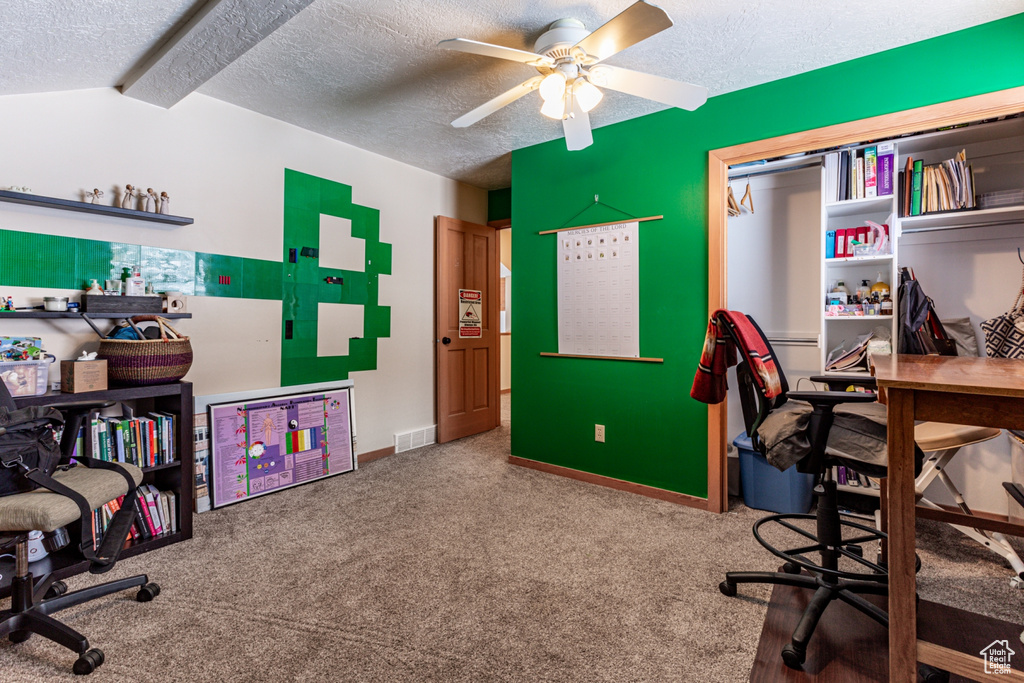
[
  {"x": 148, "y": 592},
  {"x": 88, "y": 662},
  {"x": 19, "y": 636},
  {"x": 57, "y": 589},
  {"x": 1017, "y": 582},
  {"x": 793, "y": 656},
  {"x": 728, "y": 589},
  {"x": 791, "y": 568},
  {"x": 929, "y": 674}
]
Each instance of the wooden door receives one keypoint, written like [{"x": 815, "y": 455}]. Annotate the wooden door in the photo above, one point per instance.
[{"x": 466, "y": 258}]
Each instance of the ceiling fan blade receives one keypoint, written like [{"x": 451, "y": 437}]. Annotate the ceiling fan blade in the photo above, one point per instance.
[
  {"x": 577, "y": 129},
  {"x": 637, "y": 22},
  {"x": 486, "y": 49},
  {"x": 504, "y": 99},
  {"x": 657, "y": 88}
]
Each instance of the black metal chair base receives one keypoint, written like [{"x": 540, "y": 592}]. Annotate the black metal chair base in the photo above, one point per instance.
[{"x": 33, "y": 601}]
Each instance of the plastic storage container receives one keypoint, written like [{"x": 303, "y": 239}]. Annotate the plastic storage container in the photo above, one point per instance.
[
  {"x": 766, "y": 488},
  {"x": 25, "y": 377}
]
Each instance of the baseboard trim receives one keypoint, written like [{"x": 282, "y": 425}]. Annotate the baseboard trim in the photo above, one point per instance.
[
  {"x": 609, "y": 482},
  {"x": 507, "y": 391},
  {"x": 376, "y": 455}
]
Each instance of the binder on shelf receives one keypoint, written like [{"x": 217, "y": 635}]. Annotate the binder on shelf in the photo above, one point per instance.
[
  {"x": 830, "y": 244},
  {"x": 844, "y": 174},
  {"x": 916, "y": 188},
  {"x": 886, "y": 168},
  {"x": 870, "y": 172},
  {"x": 860, "y": 178},
  {"x": 841, "y": 243}
]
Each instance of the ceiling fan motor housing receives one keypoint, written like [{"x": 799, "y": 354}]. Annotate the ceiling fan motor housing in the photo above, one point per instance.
[{"x": 560, "y": 37}]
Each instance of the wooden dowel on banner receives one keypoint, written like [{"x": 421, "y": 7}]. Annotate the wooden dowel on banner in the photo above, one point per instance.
[
  {"x": 598, "y": 225},
  {"x": 573, "y": 355}
]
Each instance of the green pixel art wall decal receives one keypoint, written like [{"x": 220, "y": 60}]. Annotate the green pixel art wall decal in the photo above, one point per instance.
[
  {"x": 305, "y": 284},
  {"x": 36, "y": 260}
]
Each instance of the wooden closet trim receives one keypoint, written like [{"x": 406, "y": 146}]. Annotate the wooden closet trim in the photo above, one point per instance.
[{"x": 964, "y": 110}]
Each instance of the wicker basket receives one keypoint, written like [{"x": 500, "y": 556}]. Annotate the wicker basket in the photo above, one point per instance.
[{"x": 141, "y": 362}]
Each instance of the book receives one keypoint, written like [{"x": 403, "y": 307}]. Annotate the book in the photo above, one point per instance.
[
  {"x": 870, "y": 172},
  {"x": 908, "y": 181},
  {"x": 841, "y": 243},
  {"x": 860, "y": 178},
  {"x": 844, "y": 174},
  {"x": 916, "y": 187},
  {"x": 886, "y": 168}
]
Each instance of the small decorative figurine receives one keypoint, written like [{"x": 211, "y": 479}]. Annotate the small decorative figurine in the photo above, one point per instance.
[
  {"x": 163, "y": 203},
  {"x": 94, "y": 195},
  {"x": 8, "y": 304},
  {"x": 129, "y": 195},
  {"x": 149, "y": 199}
]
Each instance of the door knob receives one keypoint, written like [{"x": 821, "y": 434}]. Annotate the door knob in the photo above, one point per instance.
[{"x": 446, "y": 340}]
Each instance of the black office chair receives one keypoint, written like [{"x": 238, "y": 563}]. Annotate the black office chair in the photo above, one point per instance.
[
  {"x": 819, "y": 410},
  {"x": 68, "y": 496}
]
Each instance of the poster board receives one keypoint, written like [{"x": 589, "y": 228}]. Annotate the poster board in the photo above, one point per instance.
[
  {"x": 263, "y": 445},
  {"x": 599, "y": 291}
]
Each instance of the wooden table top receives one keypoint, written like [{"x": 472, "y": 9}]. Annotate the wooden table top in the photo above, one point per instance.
[{"x": 953, "y": 374}]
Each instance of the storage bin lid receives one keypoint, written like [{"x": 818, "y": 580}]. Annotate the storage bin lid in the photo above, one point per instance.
[{"x": 743, "y": 441}]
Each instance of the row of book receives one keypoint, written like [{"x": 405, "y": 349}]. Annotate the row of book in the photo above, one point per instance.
[
  {"x": 946, "y": 186},
  {"x": 860, "y": 173},
  {"x": 157, "y": 514},
  {"x": 839, "y": 243},
  {"x": 145, "y": 441},
  {"x": 847, "y": 476}
]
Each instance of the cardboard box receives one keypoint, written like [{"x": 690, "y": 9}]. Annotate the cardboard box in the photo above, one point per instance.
[{"x": 77, "y": 376}]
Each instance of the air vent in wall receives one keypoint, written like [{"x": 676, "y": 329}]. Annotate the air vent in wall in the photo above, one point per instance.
[{"x": 414, "y": 439}]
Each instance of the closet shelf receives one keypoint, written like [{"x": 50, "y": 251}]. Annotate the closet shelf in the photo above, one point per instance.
[
  {"x": 969, "y": 218},
  {"x": 857, "y": 260},
  {"x": 857, "y": 317},
  {"x": 852, "y": 207},
  {"x": 85, "y": 207}
]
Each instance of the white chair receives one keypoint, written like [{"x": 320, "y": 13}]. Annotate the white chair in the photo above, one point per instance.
[{"x": 940, "y": 442}]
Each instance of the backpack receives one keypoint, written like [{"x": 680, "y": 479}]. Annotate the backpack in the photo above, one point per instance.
[{"x": 26, "y": 437}]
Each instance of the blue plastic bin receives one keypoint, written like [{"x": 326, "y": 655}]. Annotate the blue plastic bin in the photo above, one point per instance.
[{"x": 766, "y": 488}]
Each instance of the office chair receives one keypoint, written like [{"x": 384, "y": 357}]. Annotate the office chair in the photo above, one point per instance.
[
  {"x": 940, "y": 443},
  {"x": 81, "y": 488}
]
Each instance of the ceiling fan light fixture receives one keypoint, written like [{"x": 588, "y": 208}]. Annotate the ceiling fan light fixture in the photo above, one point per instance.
[
  {"x": 554, "y": 109},
  {"x": 552, "y": 88},
  {"x": 586, "y": 94}
]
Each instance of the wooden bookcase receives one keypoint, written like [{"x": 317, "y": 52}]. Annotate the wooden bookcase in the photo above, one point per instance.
[{"x": 177, "y": 476}]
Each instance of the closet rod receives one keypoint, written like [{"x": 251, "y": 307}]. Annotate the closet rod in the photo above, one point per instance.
[
  {"x": 751, "y": 174},
  {"x": 794, "y": 341},
  {"x": 982, "y": 224}
]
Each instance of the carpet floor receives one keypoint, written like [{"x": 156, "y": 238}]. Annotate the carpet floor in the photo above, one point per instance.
[{"x": 448, "y": 564}]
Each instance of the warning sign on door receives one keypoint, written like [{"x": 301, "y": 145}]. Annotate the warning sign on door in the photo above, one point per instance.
[{"x": 470, "y": 313}]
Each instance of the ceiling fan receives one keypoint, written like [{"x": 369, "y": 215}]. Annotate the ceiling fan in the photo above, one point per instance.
[{"x": 570, "y": 61}]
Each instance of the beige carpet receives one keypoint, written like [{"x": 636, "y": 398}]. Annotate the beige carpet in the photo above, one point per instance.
[{"x": 448, "y": 564}]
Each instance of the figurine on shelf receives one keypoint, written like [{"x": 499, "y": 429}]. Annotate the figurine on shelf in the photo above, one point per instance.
[
  {"x": 163, "y": 203},
  {"x": 129, "y": 196},
  {"x": 94, "y": 195},
  {"x": 149, "y": 199},
  {"x": 8, "y": 304}
]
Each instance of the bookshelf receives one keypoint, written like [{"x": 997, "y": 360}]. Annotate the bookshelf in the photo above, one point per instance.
[{"x": 175, "y": 476}]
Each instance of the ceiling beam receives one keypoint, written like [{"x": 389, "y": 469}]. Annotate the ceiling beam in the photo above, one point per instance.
[{"x": 221, "y": 32}]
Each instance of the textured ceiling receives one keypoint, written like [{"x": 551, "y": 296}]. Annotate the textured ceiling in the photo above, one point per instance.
[{"x": 368, "y": 72}]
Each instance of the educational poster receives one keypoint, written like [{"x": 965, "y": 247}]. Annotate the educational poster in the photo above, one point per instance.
[
  {"x": 470, "y": 313},
  {"x": 266, "y": 445},
  {"x": 599, "y": 291}
]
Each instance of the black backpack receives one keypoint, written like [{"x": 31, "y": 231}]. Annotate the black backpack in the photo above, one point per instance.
[{"x": 26, "y": 436}]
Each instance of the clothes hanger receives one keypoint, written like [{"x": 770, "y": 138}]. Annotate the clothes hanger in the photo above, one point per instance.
[
  {"x": 734, "y": 209},
  {"x": 748, "y": 199}
]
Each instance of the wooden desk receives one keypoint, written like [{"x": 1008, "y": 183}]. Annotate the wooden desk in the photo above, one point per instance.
[{"x": 978, "y": 391}]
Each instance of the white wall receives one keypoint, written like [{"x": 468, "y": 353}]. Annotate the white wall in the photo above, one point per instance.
[{"x": 224, "y": 167}]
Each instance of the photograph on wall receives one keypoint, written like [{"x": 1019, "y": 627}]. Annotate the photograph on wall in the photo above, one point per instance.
[{"x": 262, "y": 446}]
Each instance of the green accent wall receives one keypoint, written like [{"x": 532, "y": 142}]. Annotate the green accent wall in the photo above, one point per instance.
[
  {"x": 656, "y": 434},
  {"x": 499, "y": 204}
]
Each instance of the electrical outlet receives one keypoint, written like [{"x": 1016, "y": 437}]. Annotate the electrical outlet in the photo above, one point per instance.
[{"x": 599, "y": 433}]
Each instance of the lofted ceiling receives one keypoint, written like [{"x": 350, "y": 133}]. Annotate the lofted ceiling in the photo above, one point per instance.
[{"x": 369, "y": 73}]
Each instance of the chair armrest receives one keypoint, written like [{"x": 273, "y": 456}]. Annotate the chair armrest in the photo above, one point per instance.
[
  {"x": 834, "y": 382},
  {"x": 831, "y": 398}
]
